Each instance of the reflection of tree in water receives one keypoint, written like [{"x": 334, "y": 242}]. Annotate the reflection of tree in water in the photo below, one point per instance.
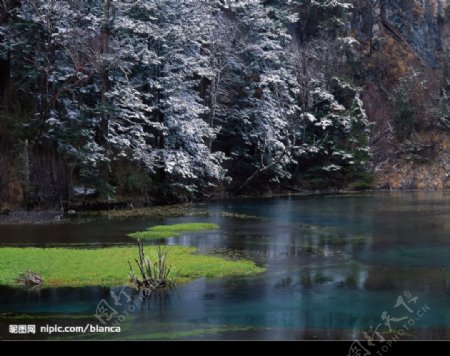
[
  {"x": 435, "y": 280},
  {"x": 152, "y": 298},
  {"x": 446, "y": 274}
]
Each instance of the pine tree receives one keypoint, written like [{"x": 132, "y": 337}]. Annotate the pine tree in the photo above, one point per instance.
[
  {"x": 161, "y": 47},
  {"x": 187, "y": 94},
  {"x": 55, "y": 56},
  {"x": 134, "y": 124},
  {"x": 263, "y": 104},
  {"x": 188, "y": 159}
]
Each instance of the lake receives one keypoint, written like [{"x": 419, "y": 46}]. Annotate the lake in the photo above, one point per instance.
[{"x": 339, "y": 266}]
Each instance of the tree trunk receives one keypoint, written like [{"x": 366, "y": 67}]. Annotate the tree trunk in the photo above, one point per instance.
[
  {"x": 26, "y": 172},
  {"x": 264, "y": 168},
  {"x": 105, "y": 39},
  {"x": 4, "y": 78}
]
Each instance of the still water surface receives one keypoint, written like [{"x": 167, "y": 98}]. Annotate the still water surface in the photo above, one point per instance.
[{"x": 336, "y": 264}]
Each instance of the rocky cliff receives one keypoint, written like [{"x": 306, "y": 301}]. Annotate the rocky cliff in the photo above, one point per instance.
[
  {"x": 426, "y": 167},
  {"x": 419, "y": 24},
  {"x": 405, "y": 36}
]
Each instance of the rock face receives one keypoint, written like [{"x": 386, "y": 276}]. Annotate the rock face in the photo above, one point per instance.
[
  {"x": 419, "y": 22},
  {"x": 407, "y": 34},
  {"x": 406, "y": 173}
]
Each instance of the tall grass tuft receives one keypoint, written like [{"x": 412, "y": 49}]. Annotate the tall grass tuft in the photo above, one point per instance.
[{"x": 154, "y": 275}]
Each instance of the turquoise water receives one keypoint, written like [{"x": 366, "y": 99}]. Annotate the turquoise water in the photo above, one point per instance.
[{"x": 334, "y": 264}]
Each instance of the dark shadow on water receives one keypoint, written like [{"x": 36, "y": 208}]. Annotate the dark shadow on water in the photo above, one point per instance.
[{"x": 334, "y": 264}]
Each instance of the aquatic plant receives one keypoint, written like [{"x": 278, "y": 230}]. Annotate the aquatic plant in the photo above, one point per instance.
[
  {"x": 30, "y": 279},
  {"x": 166, "y": 231},
  {"x": 154, "y": 275}
]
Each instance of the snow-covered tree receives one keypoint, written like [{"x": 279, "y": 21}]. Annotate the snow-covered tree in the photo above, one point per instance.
[
  {"x": 328, "y": 18},
  {"x": 54, "y": 48},
  {"x": 335, "y": 129},
  {"x": 186, "y": 94},
  {"x": 135, "y": 126},
  {"x": 263, "y": 104},
  {"x": 162, "y": 53},
  {"x": 187, "y": 157}
]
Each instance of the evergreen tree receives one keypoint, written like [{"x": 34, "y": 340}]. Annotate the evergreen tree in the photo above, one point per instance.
[
  {"x": 184, "y": 95},
  {"x": 263, "y": 104},
  {"x": 188, "y": 159}
]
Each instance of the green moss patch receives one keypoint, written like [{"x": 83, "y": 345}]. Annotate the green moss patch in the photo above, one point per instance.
[
  {"x": 65, "y": 267},
  {"x": 166, "y": 231}
]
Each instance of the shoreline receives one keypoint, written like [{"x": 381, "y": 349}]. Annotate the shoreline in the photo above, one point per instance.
[
  {"x": 53, "y": 216},
  {"x": 29, "y": 217}
]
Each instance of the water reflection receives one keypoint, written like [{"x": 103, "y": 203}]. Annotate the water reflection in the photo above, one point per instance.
[{"x": 334, "y": 264}]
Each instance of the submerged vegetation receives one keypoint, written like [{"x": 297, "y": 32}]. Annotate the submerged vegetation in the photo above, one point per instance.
[
  {"x": 166, "y": 231},
  {"x": 189, "y": 333},
  {"x": 163, "y": 331},
  {"x": 66, "y": 267}
]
